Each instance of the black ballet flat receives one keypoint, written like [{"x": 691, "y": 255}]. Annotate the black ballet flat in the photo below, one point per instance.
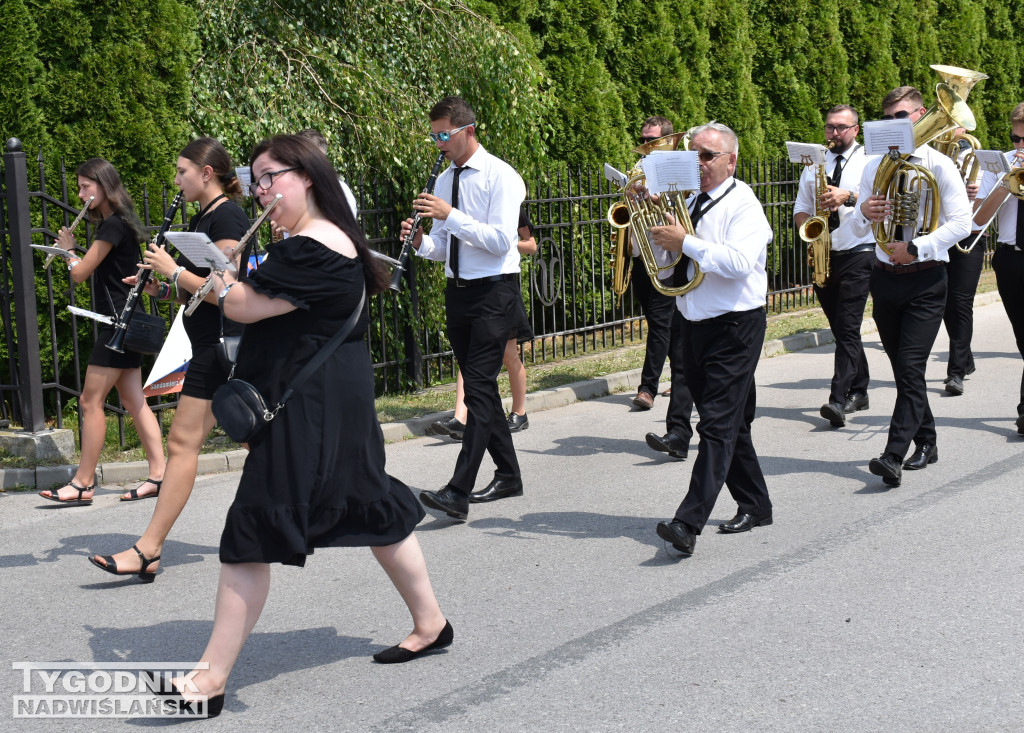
[
  {"x": 111, "y": 566},
  {"x": 399, "y": 654},
  {"x": 213, "y": 708}
]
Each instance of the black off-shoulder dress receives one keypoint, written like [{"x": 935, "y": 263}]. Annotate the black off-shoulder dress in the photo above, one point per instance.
[{"x": 315, "y": 477}]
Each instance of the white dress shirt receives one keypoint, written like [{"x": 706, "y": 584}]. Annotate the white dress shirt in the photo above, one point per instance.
[
  {"x": 731, "y": 249},
  {"x": 954, "y": 206},
  {"x": 854, "y": 160},
  {"x": 486, "y": 221},
  {"x": 1007, "y": 217}
]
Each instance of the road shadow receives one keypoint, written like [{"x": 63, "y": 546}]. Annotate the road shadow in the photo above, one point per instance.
[{"x": 184, "y": 553}]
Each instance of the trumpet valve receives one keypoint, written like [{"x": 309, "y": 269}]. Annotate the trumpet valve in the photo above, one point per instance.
[{"x": 905, "y": 208}]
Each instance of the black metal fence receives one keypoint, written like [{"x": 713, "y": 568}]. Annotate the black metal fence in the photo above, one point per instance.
[{"x": 567, "y": 284}]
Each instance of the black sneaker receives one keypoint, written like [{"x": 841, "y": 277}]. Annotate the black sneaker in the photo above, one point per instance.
[
  {"x": 517, "y": 422},
  {"x": 451, "y": 427}
]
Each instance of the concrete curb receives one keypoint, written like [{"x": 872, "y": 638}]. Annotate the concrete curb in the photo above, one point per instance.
[{"x": 120, "y": 474}]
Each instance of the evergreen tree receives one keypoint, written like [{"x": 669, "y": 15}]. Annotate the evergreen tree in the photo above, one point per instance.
[
  {"x": 733, "y": 98},
  {"x": 21, "y": 81}
]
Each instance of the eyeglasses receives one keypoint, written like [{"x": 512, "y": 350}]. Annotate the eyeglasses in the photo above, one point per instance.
[
  {"x": 841, "y": 129},
  {"x": 267, "y": 180},
  {"x": 901, "y": 115},
  {"x": 709, "y": 155},
  {"x": 1016, "y": 139},
  {"x": 446, "y": 135},
  {"x": 647, "y": 139}
]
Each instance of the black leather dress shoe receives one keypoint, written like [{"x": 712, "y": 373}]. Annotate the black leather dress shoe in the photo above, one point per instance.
[
  {"x": 926, "y": 453},
  {"x": 745, "y": 522},
  {"x": 835, "y": 413},
  {"x": 668, "y": 443},
  {"x": 517, "y": 422},
  {"x": 499, "y": 488},
  {"x": 678, "y": 535},
  {"x": 451, "y": 427},
  {"x": 856, "y": 401},
  {"x": 955, "y": 386},
  {"x": 450, "y": 501},
  {"x": 888, "y": 467}
]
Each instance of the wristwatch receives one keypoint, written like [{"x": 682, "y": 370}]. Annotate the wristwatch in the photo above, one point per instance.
[
  {"x": 912, "y": 249},
  {"x": 851, "y": 200}
]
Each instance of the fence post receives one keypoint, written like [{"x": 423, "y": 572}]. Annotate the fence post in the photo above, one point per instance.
[{"x": 29, "y": 376}]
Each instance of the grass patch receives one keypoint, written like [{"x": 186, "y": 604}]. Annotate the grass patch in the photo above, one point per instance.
[{"x": 10, "y": 460}]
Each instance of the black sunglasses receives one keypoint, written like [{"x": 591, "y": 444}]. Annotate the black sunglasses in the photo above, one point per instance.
[
  {"x": 1016, "y": 139},
  {"x": 646, "y": 139},
  {"x": 901, "y": 115}
]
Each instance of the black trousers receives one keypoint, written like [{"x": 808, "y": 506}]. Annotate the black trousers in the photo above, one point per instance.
[
  {"x": 843, "y": 299},
  {"x": 1008, "y": 264},
  {"x": 658, "y": 310},
  {"x": 480, "y": 320},
  {"x": 680, "y": 402},
  {"x": 908, "y": 312},
  {"x": 962, "y": 275},
  {"x": 719, "y": 359}
]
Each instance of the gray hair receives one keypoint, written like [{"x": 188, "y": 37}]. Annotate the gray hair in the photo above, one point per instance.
[{"x": 731, "y": 141}]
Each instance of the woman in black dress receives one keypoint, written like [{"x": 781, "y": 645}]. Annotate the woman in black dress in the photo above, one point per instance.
[
  {"x": 315, "y": 476},
  {"x": 114, "y": 252},
  {"x": 205, "y": 175}
]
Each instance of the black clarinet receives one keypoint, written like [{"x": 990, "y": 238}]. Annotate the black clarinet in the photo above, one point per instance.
[
  {"x": 125, "y": 319},
  {"x": 403, "y": 255}
]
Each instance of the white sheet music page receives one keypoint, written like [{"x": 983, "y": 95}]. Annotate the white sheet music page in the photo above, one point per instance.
[
  {"x": 671, "y": 170},
  {"x": 880, "y": 136},
  {"x": 614, "y": 175},
  {"x": 994, "y": 161},
  {"x": 200, "y": 251},
  {"x": 806, "y": 153}
]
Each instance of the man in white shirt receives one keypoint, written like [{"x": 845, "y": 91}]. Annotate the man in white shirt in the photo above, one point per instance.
[
  {"x": 908, "y": 291},
  {"x": 845, "y": 294},
  {"x": 1008, "y": 260},
  {"x": 475, "y": 211},
  {"x": 723, "y": 334}
]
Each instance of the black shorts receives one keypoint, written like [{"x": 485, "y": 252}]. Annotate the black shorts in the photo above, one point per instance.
[
  {"x": 205, "y": 373},
  {"x": 101, "y": 356},
  {"x": 522, "y": 331}
]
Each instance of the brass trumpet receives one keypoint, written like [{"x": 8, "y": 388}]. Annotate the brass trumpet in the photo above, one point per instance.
[{"x": 71, "y": 229}]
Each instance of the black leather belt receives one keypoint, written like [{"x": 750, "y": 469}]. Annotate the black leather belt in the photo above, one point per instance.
[
  {"x": 909, "y": 269},
  {"x": 478, "y": 281},
  {"x": 860, "y": 248}
]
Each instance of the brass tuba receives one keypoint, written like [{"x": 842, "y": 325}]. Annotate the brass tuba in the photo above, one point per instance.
[
  {"x": 815, "y": 232},
  {"x": 951, "y": 143},
  {"x": 636, "y": 215},
  {"x": 912, "y": 188}
]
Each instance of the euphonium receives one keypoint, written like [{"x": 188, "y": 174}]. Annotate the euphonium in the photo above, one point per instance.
[
  {"x": 912, "y": 188},
  {"x": 636, "y": 215},
  {"x": 815, "y": 230}
]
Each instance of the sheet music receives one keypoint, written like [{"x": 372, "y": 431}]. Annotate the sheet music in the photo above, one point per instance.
[
  {"x": 671, "y": 170},
  {"x": 244, "y": 174},
  {"x": 83, "y": 313},
  {"x": 200, "y": 251},
  {"x": 58, "y": 251},
  {"x": 806, "y": 153},
  {"x": 615, "y": 175},
  {"x": 881, "y": 135},
  {"x": 994, "y": 161}
]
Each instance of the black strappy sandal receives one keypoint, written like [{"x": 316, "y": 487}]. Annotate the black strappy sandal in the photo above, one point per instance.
[
  {"x": 111, "y": 566},
  {"x": 133, "y": 495},
  {"x": 79, "y": 501}
]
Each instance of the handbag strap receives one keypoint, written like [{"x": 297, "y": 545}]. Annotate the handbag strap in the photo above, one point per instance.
[{"x": 313, "y": 364}]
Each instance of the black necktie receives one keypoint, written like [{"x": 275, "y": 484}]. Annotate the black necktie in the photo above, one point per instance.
[
  {"x": 453, "y": 242},
  {"x": 837, "y": 172},
  {"x": 679, "y": 276}
]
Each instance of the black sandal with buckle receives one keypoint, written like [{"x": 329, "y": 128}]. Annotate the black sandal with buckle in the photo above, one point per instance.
[
  {"x": 133, "y": 495},
  {"x": 111, "y": 566},
  {"x": 78, "y": 501}
]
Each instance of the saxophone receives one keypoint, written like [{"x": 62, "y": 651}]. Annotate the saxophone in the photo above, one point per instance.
[{"x": 815, "y": 230}]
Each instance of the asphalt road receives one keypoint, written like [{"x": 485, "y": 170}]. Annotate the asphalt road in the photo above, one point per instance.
[{"x": 862, "y": 608}]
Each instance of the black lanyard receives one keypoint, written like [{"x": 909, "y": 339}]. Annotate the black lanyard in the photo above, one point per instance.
[{"x": 206, "y": 210}]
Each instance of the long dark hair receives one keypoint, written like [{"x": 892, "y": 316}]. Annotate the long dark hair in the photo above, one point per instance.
[
  {"x": 206, "y": 151},
  {"x": 294, "y": 151},
  {"x": 105, "y": 174}
]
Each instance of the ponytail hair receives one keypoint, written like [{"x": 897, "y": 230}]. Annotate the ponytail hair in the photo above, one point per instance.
[{"x": 206, "y": 151}]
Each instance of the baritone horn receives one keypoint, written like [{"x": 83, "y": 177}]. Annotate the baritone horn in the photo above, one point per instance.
[
  {"x": 636, "y": 214},
  {"x": 910, "y": 187}
]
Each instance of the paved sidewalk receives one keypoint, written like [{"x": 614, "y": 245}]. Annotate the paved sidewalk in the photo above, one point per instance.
[{"x": 861, "y": 609}]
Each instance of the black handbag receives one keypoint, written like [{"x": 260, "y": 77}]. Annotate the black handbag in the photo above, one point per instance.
[
  {"x": 145, "y": 333},
  {"x": 240, "y": 408}
]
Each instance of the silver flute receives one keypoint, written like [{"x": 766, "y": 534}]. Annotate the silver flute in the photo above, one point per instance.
[
  {"x": 71, "y": 229},
  {"x": 199, "y": 295}
]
